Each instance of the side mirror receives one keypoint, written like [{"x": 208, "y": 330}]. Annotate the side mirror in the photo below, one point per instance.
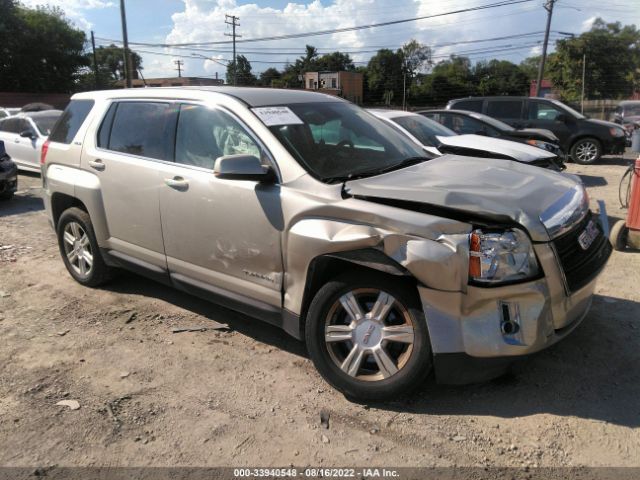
[
  {"x": 562, "y": 118},
  {"x": 28, "y": 134},
  {"x": 242, "y": 167}
]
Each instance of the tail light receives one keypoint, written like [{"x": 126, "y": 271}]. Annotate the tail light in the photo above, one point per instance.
[{"x": 43, "y": 153}]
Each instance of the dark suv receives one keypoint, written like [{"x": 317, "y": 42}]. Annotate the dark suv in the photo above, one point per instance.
[{"x": 585, "y": 139}]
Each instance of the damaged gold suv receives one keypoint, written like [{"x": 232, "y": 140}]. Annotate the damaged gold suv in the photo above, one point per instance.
[{"x": 307, "y": 212}]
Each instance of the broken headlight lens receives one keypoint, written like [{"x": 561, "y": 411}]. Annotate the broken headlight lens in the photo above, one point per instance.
[{"x": 499, "y": 257}]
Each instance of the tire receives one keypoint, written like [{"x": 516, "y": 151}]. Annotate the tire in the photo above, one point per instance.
[
  {"x": 356, "y": 361},
  {"x": 78, "y": 245},
  {"x": 586, "y": 151},
  {"x": 618, "y": 235}
]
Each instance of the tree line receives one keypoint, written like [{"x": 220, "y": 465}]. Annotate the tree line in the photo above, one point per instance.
[{"x": 42, "y": 51}]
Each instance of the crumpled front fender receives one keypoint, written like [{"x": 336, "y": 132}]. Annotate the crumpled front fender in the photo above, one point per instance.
[{"x": 439, "y": 263}]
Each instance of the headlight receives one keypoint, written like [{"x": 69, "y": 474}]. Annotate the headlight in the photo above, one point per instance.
[
  {"x": 541, "y": 144},
  {"x": 616, "y": 132},
  {"x": 499, "y": 257}
]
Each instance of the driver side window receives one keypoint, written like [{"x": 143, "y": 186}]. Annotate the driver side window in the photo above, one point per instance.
[{"x": 204, "y": 134}]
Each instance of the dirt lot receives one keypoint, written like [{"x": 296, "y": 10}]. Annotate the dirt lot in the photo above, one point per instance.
[{"x": 251, "y": 397}]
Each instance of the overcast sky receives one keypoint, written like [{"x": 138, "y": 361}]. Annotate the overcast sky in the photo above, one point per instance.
[{"x": 191, "y": 21}]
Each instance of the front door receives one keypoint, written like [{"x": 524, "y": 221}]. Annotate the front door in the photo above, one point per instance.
[
  {"x": 219, "y": 235},
  {"x": 547, "y": 116}
]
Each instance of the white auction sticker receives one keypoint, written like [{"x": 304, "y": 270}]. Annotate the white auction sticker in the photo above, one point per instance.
[{"x": 272, "y": 116}]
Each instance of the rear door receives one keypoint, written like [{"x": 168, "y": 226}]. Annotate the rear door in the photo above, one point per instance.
[
  {"x": 509, "y": 110},
  {"x": 134, "y": 138}
]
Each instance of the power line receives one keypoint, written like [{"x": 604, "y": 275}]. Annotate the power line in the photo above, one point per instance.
[{"x": 339, "y": 30}]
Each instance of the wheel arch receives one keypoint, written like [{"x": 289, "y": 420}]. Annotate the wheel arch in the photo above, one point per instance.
[{"x": 61, "y": 202}]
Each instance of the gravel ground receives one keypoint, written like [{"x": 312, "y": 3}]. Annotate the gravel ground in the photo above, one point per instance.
[{"x": 251, "y": 397}]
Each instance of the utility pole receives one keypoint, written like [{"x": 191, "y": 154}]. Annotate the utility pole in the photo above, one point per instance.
[
  {"x": 584, "y": 71},
  {"x": 549, "y": 8},
  {"x": 179, "y": 63},
  {"x": 125, "y": 41},
  {"x": 234, "y": 22},
  {"x": 95, "y": 60}
]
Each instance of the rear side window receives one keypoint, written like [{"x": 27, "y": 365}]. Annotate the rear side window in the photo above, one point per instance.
[
  {"x": 11, "y": 125},
  {"x": 501, "y": 109},
  {"x": 70, "y": 121},
  {"x": 472, "y": 105},
  {"x": 145, "y": 129}
]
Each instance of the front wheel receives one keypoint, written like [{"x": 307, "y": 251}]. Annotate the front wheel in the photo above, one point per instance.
[
  {"x": 586, "y": 151},
  {"x": 367, "y": 336}
]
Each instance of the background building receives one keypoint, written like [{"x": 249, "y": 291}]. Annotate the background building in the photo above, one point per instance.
[{"x": 347, "y": 85}]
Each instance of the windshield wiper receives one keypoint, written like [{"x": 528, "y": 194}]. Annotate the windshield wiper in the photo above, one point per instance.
[{"x": 407, "y": 162}]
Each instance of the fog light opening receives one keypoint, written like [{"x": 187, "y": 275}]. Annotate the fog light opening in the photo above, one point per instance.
[{"x": 508, "y": 326}]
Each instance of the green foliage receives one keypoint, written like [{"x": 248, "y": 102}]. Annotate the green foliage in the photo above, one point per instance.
[
  {"x": 500, "y": 77},
  {"x": 242, "y": 69},
  {"x": 612, "y": 62},
  {"x": 40, "y": 50},
  {"x": 270, "y": 77},
  {"x": 385, "y": 76}
]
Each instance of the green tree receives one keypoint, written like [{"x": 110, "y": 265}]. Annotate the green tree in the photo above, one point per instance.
[
  {"x": 110, "y": 62},
  {"x": 242, "y": 69},
  {"x": 334, "y": 61},
  {"x": 41, "y": 50},
  {"x": 529, "y": 67},
  {"x": 384, "y": 76},
  {"x": 500, "y": 77},
  {"x": 451, "y": 78},
  {"x": 416, "y": 57},
  {"x": 270, "y": 77},
  {"x": 613, "y": 59}
]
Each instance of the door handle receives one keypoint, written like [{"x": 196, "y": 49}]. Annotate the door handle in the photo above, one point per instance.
[
  {"x": 16, "y": 140},
  {"x": 97, "y": 164},
  {"x": 179, "y": 183}
]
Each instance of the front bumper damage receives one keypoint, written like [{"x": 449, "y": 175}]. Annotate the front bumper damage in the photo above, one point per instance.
[{"x": 467, "y": 329}]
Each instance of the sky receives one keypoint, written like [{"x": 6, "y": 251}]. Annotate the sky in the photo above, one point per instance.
[{"x": 198, "y": 21}]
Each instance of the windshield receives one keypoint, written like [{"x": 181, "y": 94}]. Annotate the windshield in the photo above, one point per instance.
[
  {"x": 337, "y": 141},
  {"x": 492, "y": 121},
  {"x": 424, "y": 129},
  {"x": 632, "y": 110},
  {"x": 568, "y": 109},
  {"x": 45, "y": 124}
]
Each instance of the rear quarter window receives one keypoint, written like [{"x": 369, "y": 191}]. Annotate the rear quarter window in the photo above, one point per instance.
[
  {"x": 471, "y": 105},
  {"x": 501, "y": 109},
  {"x": 70, "y": 121}
]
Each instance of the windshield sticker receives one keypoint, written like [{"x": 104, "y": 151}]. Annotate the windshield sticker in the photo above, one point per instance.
[{"x": 272, "y": 116}]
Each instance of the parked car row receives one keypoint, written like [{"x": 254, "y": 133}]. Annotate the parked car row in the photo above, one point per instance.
[
  {"x": 585, "y": 139},
  {"x": 438, "y": 140},
  {"x": 357, "y": 233}
]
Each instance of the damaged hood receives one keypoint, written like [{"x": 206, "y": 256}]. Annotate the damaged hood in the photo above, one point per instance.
[
  {"x": 515, "y": 150},
  {"x": 498, "y": 191}
]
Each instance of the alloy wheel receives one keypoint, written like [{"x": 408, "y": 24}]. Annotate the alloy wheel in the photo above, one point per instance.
[
  {"x": 369, "y": 334},
  {"x": 77, "y": 248},
  {"x": 587, "y": 152}
]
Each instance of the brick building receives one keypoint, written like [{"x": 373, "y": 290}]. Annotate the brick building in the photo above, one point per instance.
[{"x": 347, "y": 85}]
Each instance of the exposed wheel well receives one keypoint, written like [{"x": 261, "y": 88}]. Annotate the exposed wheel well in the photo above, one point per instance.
[
  {"x": 325, "y": 267},
  {"x": 60, "y": 202}
]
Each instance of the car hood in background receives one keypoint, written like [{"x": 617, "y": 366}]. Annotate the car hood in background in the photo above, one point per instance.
[
  {"x": 603, "y": 122},
  {"x": 468, "y": 189},
  {"x": 516, "y": 150},
  {"x": 535, "y": 133}
]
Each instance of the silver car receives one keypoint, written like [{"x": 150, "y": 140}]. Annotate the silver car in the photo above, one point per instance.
[
  {"x": 24, "y": 134},
  {"x": 307, "y": 212}
]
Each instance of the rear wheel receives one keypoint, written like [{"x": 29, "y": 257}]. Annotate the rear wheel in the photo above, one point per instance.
[
  {"x": 367, "y": 336},
  {"x": 79, "y": 248},
  {"x": 586, "y": 151}
]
